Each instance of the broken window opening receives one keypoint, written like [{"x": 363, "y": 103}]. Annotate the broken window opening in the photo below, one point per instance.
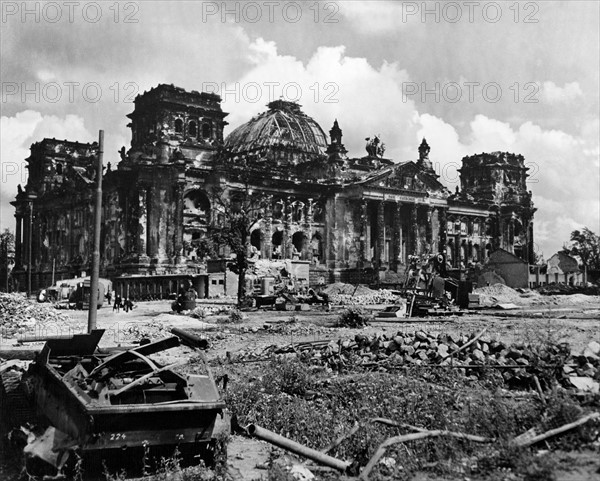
[
  {"x": 206, "y": 130},
  {"x": 277, "y": 240},
  {"x": 278, "y": 210},
  {"x": 297, "y": 211},
  {"x": 255, "y": 239},
  {"x": 192, "y": 129},
  {"x": 299, "y": 242},
  {"x": 318, "y": 212},
  {"x": 178, "y": 126},
  {"x": 317, "y": 247}
]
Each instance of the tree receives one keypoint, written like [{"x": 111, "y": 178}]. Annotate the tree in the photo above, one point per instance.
[
  {"x": 239, "y": 208},
  {"x": 7, "y": 257},
  {"x": 585, "y": 245}
]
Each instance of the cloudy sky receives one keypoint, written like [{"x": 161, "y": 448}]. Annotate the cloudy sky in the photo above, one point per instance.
[{"x": 469, "y": 76}]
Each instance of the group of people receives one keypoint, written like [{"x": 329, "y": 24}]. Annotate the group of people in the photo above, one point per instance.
[{"x": 126, "y": 304}]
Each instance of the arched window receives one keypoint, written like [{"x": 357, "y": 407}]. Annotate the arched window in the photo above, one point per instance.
[
  {"x": 297, "y": 211},
  {"x": 206, "y": 130},
  {"x": 193, "y": 128},
  {"x": 450, "y": 251},
  {"x": 277, "y": 240},
  {"x": 179, "y": 126},
  {"x": 278, "y": 209},
  {"x": 299, "y": 240},
  {"x": 196, "y": 203},
  {"x": 255, "y": 239},
  {"x": 318, "y": 212},
  {"x": 316, "y": 244}
]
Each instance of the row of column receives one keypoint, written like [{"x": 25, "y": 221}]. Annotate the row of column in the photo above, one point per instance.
[
  {"x": 159, "y": 228},
  {"x": 412, "y": 229}
]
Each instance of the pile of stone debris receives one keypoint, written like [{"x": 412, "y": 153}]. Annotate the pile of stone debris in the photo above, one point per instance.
[
  {"x": 518, "y": 364},
  {"x": 357, "y": 295},
  {"x": 19, "y": 315}
]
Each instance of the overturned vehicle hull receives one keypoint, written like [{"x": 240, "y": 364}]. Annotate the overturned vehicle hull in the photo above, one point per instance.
[{"x": 121, "y": 400}]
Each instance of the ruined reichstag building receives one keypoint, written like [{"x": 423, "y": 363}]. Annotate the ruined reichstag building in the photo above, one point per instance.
[{"x": 347, "y": 218}]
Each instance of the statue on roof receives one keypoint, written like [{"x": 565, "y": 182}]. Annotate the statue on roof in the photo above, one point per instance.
[{"x": 375, "y": 148}]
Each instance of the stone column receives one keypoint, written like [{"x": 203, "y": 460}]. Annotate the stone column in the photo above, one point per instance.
[
  {"x": 332, "y": 236},
  {"x": 429, "y": 228},
  {"x": 530, "y": 243},
  {"x": 150, "y": 225},
  {"x": 164, "y": 215},
  {"x": 268, "y": 246},
  {"x": 178, "y": 225},
  {"x": 443, "y": 230},
  {"x": 364, "y": 219},
  {"x": 19, "y": 241},
  {"x": 398, "y": 254},
  {"x": 511, "y": 236},
  {"x": 309, "y": 223},
  {"x": 286, "y": 242},
  {"x": 415, "y": 244},
  {"x": 498, "y": 227},
  {"x": 142, "y": 225},
  {"x": 26, "y": 234},
  {"x": 380, "y": 234}
]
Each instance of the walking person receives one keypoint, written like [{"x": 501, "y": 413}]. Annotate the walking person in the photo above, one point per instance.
[{"x": 117, "y": 304}]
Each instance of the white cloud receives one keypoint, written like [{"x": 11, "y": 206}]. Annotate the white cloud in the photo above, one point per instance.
[
  {"x": 331, "y": 85},
  {"x": 366, "y": 99},
  {"x": 564, "y": 169},
  {"x": 379, "y": 17},
  {"x": 18, "y": 133},
  {"x": 553, "y": 94}
]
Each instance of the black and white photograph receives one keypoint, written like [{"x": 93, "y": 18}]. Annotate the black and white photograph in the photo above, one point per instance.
[{"x": 304, "y": 240}]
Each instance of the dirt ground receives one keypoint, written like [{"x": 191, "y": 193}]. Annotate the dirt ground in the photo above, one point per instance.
[{"x": 559, "y": 320}]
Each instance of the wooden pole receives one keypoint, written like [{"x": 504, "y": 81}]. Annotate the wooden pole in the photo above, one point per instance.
[{"x": 92, "y": 313}]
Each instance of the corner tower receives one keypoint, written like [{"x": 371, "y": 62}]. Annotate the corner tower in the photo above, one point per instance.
[
  {"x": 499, "y": 180},
  {"x": 170, "y": 124}
]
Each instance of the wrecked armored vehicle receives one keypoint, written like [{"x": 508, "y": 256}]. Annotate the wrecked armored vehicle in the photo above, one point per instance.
[{"x": 93, "y": 402}]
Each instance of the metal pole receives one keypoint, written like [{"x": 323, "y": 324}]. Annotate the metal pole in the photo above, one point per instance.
[
  {"x": 29, "y": 242},
  {"x": 297, "y": 448},
  {"x": 97, "y": 225}
]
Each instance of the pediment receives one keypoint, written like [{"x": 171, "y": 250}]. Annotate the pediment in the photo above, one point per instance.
[{"x": 405, "y": 177}]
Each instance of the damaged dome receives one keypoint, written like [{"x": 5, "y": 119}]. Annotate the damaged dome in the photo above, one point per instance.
[{"x": 283, "y": 126}]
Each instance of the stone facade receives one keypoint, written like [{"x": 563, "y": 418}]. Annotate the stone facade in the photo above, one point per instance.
[{"x": 352, "y": 219}]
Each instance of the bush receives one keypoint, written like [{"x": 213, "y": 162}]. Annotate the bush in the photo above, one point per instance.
[
  {"x": 354, "y": 317},
  {"x": 236, "y": 316}
]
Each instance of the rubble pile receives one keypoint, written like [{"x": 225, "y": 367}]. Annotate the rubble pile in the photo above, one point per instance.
[
  {"x": 268, "y": 268},
  {"x": 296, "y": 328},
  {"x": 149, "y": 330},
  {"x": 517, "y": 363},
  {"x": 501, "y": 294},
  {"x": 348, "y": 289},
  {"x": 351, "y": 295},
  {"x": 562, "y": 289},
  {"x": 491, "y": 296},
  {"x": 19, "y": 315},
  {"x": 203, "y": 311}
]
